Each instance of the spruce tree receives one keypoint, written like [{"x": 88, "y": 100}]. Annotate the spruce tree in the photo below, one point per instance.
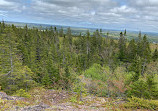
[
  {"x": 136, "y": 67},
  {"x": 125, "y": 33},
  {"x": 139, "y": 45},
  {"x": 61, "y": 32},
  {"x": 155, "y": 55},
  {"x": 69, "y": 36},
  {"x": 122, "y": 47},
  {"x": 131, "y": 50}
]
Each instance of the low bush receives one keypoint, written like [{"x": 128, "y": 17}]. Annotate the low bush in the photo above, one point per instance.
[
  {"x": 22, "y": 93},
  {"x": 140, "y": 103}
]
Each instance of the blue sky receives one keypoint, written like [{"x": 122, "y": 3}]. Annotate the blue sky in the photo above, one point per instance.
[{"x": 109, "y": 14}]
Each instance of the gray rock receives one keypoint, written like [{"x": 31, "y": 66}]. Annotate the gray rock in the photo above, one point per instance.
[
  {"x": 36, "y": 108},
  {"x": 2, "y": 94},
  {"x": 5, "y": 96}
]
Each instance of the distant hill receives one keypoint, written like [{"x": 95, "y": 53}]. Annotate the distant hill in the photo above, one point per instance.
[{"x": 153, "y": 37}]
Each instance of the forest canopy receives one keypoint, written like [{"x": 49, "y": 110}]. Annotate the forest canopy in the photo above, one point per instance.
[{"x": 30, "y": 57}]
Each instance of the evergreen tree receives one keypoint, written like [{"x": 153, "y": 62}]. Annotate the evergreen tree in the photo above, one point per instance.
[
  {"x": 139, "y": 45},
  {"x": 139, "y": 89},
  {"x": 131, "y": 50},
  {"x": 146, "y": 53},
  {"x": 146, "y": 48},
  {"x": 155, "y": 55},
  {"x": 122, "y": 47},
  {"x": 152, "y": 89},
  {"x": 136, "y": 67},
  {"x": 67, "y": 78},
  {"x": 33, "y": 56},
  {"x": 125, "y": 33},
  {"x": 46, "y": 80},
  {"x": 69, "y": 36},
  {"x": 61, "y": 32}
]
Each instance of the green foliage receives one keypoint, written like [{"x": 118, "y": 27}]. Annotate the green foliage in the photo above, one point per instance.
[
  {"x": 152, "y": 86},
  {"x": 144, "y": 88},
  {"x": 46, "y": 80},
  {"x": 140, "y": 103},
  {"x": 67, "y": 78},
  {"x": 146, "y": 51},
  {"x": 98, "y": 88},
  {"x": 136, "y": 67},
  {"x": 20, "y": 78},
  {"x": 22, "y": 93},
  {"x": 125, "y": 32},
  {"x": 95, "y": 72},
  {"x": 131, "y": 50},
  {"x": 73, "y": 99},
  {"x": 122, "y": 47},
  {"x": 80, "y": 90},
  {"x": 31, "y": 57},
  {"x": 138, "y": 89},
  {"x": 155, "y": 55}
]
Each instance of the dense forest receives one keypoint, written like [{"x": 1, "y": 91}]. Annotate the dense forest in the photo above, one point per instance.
[{"x": 102, "y": 66}]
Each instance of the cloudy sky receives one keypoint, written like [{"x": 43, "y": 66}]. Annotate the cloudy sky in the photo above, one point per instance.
[{"x": 109, "y": 14}]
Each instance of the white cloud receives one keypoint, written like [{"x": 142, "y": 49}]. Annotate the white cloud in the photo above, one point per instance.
[
  {"x": 3, "y": 13},
  {"x": 98, "y": 12},
  {"x": 7, "y": 5},
  {"x": 124, "y": 9},
  {"x": 147, "y": 2},
  {"x": 141, "y": 14}
]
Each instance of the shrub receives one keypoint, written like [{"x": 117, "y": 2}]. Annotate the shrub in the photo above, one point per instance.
[
  {"x": 140, "y": 103},
  {"x": 144, "y": 88},
  {"x": 20, "y": 78},
  {"x": 95, "y": 72},
  {"x": 138, "y": 89},
  {"x": 79, "y": 88},
  {"x": 22, "y": 93}
]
